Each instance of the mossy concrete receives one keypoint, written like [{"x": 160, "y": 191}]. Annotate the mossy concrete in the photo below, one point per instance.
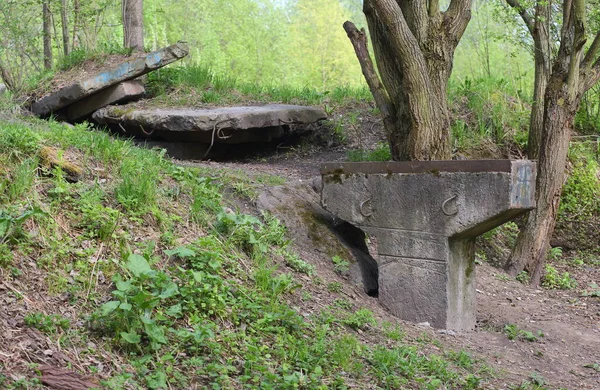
[{"x": 425, "y": 217}]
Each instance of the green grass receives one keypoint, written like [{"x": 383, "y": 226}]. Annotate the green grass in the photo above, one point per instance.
[
  {"x": 194, "y": 292},
  {"x": 194, "y": 84}
]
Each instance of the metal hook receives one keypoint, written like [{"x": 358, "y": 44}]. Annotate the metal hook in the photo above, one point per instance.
[
  {"x": 446, "y": 203},
  {"x": 361, "y": 208}
]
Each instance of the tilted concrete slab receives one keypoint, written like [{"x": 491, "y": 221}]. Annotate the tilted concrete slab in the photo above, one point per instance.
[
  {"x": 120, "y": 93},
  {"x": 221, "y": 125},
  {"x": 424, "y": 217},
  {"x": 125, "y": 71}
]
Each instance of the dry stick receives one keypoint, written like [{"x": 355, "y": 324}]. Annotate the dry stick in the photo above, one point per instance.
[{"x": 98, "y": 253}]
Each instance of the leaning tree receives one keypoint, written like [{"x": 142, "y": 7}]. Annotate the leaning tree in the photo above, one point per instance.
[
  {"x": 575, "y": 69},
  {"x": 414, "y": 44}
]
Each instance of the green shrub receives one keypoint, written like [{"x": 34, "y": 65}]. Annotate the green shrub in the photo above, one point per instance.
[{"x": 552, "y": 279}]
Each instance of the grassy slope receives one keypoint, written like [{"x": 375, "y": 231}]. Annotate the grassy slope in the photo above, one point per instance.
[{"x": 142, "y": 279}]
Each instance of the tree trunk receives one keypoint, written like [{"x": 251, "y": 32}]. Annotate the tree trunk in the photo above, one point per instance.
[
  {"x": 65, "y": 27},
  {"x": 532, "y": 242},
  {"x": 414, "y": 44},
  {"x": 543, "y": 67},
  {"x": 76, "y": 11},
  {"x": 47, "y": 35},
  {"x": 133, "y": 24}
]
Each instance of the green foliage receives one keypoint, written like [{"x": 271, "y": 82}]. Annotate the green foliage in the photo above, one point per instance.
[
  {"x": 592, "y": 291},
  {"x": 145, "y": 302},
  {"x": 553, "y": 279},
  {"x": 361, "y": 319},
  {"x": 380, "y": 153},
  {"x": 523, "y": 277},
  {"x": 10, "y": 224},
  {"x": 513, "y": 332},
  {"x": 49, "y": 324},
  {"x": 339, "y": 264},
  {"x": 579, "y": 200}
]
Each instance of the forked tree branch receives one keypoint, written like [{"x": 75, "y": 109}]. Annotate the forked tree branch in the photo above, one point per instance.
[
  {"x": 458, "y": 16},
  {"x": 360, "y": 44},
  {"x": 527, "y": 19},
  {"x": 592, "y": 52}
]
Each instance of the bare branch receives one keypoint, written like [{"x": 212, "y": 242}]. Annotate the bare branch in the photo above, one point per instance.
[
  {"x": 458, "y": 16},
  {"x": 360, "y": 44},
  {"x": 527, "y": 19}
]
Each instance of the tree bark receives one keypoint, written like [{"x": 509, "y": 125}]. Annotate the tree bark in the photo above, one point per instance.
[
  {"x": 543, "y": 67},
  {"x": 65, "y": 27},
  {"x": 47, "y": 26},
  {"x": 532, "y": 242},
  {"x": 76, "y": 11},
  {"x": 414, "y": 44},
  {"x": 133, "y": 24},
  {"x": 572, "y": 75}
]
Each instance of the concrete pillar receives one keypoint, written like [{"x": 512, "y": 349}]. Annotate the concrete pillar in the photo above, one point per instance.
[{"x": 424, "y": 218}]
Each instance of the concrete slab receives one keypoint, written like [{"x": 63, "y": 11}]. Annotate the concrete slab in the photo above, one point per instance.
[
  {"x": 224, "y": 125},
  {"x": 125, "y": 71},
  {"x": 120, "y": 93},
  {"x": 423, "y": 218}
]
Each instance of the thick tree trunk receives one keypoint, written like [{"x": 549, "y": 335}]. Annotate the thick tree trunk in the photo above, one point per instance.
[
  {"x": 532, "y": 243},
  {"x": 47, "y": 35},
  {"x": 65, "y": 27},
  {"x": 414, "y": 48},
  {"x": 133, "y": 24}
]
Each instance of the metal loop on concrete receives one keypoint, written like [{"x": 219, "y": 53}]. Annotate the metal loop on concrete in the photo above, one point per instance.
[
  {"x": 446, "y": 212},
  {"x": 361, "y": 208}
]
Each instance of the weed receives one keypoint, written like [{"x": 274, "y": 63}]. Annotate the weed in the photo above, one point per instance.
[
  {"x": 523, "y": 277},
  {"x": 340, "y": 265},
  {"x": 361, "y": 319},
  {"x": 514, "y": 333},
  {"x": 503, "y": 277},
  {"x": 334, "y": 287},
  {"x": 552, "y": 279},
  {"x": 10, "y": 225},
  {"x": 380, "y": 153},
  {"x": 49, "y": 324},
  {"x": 592, "y": 291},
  {"x": 554, "y": 254}
]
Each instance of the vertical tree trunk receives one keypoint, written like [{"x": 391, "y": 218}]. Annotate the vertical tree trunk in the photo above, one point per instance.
[
  {"x": 76, "y": 11},
  {"x": 47, "y": 35},
  {"x": 65, "y": 27},
  {"x": 414, "y": 47},
  {"x": 532, "y": 242},
  {"x": 133, "y": 24},
  {"x": 543, "y": 67}
]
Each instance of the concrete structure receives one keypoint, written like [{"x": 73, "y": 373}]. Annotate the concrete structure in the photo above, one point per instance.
[
  {"x": 120, "y": 93},
  {"x": 423, "y": 218},
  {"x": 231, "y": 125},
  {"x": 125, "y": 71}
]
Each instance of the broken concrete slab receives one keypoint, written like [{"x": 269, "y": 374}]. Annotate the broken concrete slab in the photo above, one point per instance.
[
  {"x": 219, "y": 125},
  {"x": 119, "y": 93},
  {"x": 125, "y": 71},
  {"x": 423, "y": 218}
]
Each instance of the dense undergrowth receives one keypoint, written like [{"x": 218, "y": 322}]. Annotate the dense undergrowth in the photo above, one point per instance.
[{"x": 168, "y": 287}]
